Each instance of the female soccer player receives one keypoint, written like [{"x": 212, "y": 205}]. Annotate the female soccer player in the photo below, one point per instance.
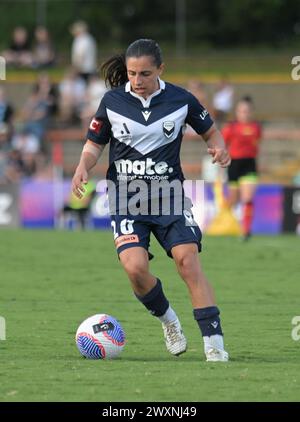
[
  {"x": 142, "y": 118},
  {"x": 242, "y": 138}
]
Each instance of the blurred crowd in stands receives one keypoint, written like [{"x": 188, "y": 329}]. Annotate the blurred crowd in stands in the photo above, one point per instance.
[{"x": 70, "y": 102}]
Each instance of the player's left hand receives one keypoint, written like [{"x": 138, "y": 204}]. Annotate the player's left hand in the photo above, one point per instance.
[{"x": 220, "y": 156}]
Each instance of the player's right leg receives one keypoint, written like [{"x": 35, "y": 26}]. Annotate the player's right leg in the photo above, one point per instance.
[
  {"x": 148, "y": 290},
  {"x": 132, "y": 249}
]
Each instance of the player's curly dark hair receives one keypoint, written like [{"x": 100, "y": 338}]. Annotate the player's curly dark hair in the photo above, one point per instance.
[{"x": 114, "y": 69}]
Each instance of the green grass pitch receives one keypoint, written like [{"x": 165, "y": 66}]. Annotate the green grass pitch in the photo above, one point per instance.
[{"x": 51, "y": 281}]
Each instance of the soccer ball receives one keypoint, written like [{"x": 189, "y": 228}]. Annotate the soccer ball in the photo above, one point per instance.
[{"x": 100, "y": 337}]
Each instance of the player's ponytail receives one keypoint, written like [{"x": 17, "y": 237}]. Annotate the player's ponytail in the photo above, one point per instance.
[{"x": 114, "y": 71}]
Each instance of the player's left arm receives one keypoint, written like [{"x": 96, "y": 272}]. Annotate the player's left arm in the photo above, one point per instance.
[
  {"x": 216, "y": 146},
  {"x": 200, "y": 120}
]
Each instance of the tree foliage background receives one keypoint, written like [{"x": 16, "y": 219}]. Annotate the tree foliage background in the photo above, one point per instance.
[{"x": 115, "y": 23}]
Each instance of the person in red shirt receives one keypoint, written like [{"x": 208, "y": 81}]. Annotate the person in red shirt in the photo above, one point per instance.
[{"x": 242, "y": 137}]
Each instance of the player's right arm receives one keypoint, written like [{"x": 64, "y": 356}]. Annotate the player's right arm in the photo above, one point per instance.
[
  {"x": 90, "y": 154},
  {"x": 98, "y": 135}
]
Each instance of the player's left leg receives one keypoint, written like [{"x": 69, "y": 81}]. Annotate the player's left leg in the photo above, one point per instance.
[{"x": 206, "y": 313}]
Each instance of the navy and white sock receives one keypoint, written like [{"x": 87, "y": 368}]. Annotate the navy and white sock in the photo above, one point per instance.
[
  {"x": 168, "y": 316},
  {"x": 155, "y": 300},
  {"x": 210, "y": 326}
]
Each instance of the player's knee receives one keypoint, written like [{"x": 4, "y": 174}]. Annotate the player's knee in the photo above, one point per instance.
[
  {"x": 186, "y": 262},
  {"x": 135, "y": 270}
]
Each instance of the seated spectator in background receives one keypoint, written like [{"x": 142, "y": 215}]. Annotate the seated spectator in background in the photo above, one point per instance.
[
  {"x": 43, "y": 51},
  {"x": 19, "y": 53},
  {"x": 71, "y": 97},
  {"x": 6, "y": 111},
  {"x": 4, "y": 149},
  {"x": 26, "y": 145},
  {"x": 11, "y": 166},
  {"x": 35, "y": 113},
  {"x": 222, "y": 102},
  {"x": 47, "y": 91},
  {"x": 95, "y": 90},
  {"x": 84, "y": 50}
]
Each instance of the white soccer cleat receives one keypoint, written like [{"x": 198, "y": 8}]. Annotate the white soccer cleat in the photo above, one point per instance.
[
  {"x": 174, "y": 337},
  {"x": 216, "y": 355}
]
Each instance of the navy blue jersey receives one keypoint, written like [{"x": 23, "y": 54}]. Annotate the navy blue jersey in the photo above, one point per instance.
[{"x": 145, "y": 135}]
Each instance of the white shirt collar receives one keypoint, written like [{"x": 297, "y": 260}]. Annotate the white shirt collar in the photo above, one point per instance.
[{"x": 146, "y": 103}]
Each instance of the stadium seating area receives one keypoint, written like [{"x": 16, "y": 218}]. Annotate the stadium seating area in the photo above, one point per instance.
[{"x": 279, "y": 159}]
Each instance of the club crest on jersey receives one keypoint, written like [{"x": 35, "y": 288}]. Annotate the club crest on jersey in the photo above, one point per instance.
[
  {"x": 168, "y": 128},
  {"x": 96, "y": 125}
]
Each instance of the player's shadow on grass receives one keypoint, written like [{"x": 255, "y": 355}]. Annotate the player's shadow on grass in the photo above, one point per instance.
[
  {"x": 255, "y": 359},
  {"x": 162, "y": 359}
]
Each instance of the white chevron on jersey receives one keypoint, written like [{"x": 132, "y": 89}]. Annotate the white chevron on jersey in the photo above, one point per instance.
[{"x": 146, "y": 138}]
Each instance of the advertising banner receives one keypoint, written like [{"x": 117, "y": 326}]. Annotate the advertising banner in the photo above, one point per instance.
[{"x": 41, "y": 203}]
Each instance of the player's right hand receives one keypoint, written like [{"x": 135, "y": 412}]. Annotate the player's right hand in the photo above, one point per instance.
[
  {"x": 80, "y": 179},
  {"x": 220, "y": 156}
]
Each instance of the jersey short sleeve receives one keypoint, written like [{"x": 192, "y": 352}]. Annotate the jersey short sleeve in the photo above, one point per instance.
[
  {"x": 198, "y": 117},
  {"x": 99, "y": 130}
]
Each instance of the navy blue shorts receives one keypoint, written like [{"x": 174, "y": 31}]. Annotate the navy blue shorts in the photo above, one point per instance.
[{"x": 135, "y": 230}]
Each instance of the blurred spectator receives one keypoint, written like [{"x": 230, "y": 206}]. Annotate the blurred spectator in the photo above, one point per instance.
[
  {"x": 43, "y": 51},
  {"x": 35, "y": 113},
  {"x": 198, "y": 90},
  {"x": 296, "y": 179},
  {"x": 84, "y": 50},
  {"x": 4, "y": 148},
  {"x": 27, "y": 145},
  {"x": 94, "y": 92},
  {"x": 48, "y": 92},
  {"x": 43, "y": 167},
  {"x": 19, "y": 52},
  {"x": 222, "y": 102},
  {"x": 6, "y": 111},
  {"x": 71, "y": 97},
  {"x": 11, "y": 167}
]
